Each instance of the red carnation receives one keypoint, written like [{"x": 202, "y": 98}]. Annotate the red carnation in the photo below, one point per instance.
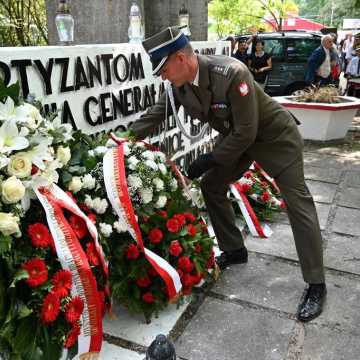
[
  {"x": 74, "y": 309},
  {"x": 143, "y": 282},
  {"x": 62, "y": 282},
  {"x": 180, "y": 218},
  {"x": 282, "y": 204},
  {"x": 152, "y": 272},
  {"x": 186, "y": 280},
  {"x": 173, "y": 225},
  {"x": 163, "y": 214},
  {"x": 175, "y": 248},
  {"x": 70, "y": 194},
  {"x": 50, "y": 308},
  {"x": 148, "y": 297},
  {"x": 245, "y": 188},
  {"x": 264, "y": 184},
  {"x": 37, "y": 271},
  {"x": 265, "y": 196},
  {"x": 198, "y": 248},
  {"x": 155, "y": 236},
  {"x": 195, "y": 279},
  {"x": 181, "y": 274},
  {"x": 191, "y": 230},
  {"x": 248, "y": 174},
  {"x": 34, "y": 169},
  {"x": 72, "y": 336},
  {"x": 40, "y": 235},
  {"x": 190, "y": 217},
  {"x": 92, "y": 217},
  {"x": 79, "y": 226},
  {"x": 185, "y": 264},
  {"x": 92, "y": 254},
  {"x": 132, "y": 252}
]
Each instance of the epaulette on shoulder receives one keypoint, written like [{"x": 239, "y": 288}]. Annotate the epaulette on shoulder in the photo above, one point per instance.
[{"x": 220, "y": 69}]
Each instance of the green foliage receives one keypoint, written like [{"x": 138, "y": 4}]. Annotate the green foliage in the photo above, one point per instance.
[{"x": 13, "y": 91}]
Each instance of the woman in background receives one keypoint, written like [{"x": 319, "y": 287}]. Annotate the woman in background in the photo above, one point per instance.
[{"x": 260, "y": 63}]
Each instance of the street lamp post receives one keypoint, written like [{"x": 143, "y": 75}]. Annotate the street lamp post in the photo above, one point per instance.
[
  {"x": 136, "y": 29},
  {"x": 184, "y": 20},
  {"x": 64, "y": 23}
]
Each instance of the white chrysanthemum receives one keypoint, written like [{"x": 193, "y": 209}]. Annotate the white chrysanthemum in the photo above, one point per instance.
[
  {"x": 160, "y": 156},
  {"x": 151, "y": 164},
  {"x": 120, "y": 227},
  {"x": 173, "y": 184},
  {"x": 99, "y": 205},
  {"x": 105, "y": 229},
  {"x": 149, "y": 155},
  {"x": 132, "y": 161},
  {"x": 88, "y": 182},
  {"x": 146, "y": 195},
  {"x": 75, "y": 184},
  {"x": 89, "y": 201},
  {"x": 246, "y": 181},
  {"x": 159, "y": 184},
  {"x": 134, "y": 182},
  {"x": 100, "y": 150},
  {"x": 162, "y": 169},
  {"x": 161, "y": 202}
]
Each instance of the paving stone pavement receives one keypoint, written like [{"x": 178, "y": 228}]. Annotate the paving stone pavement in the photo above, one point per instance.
[{"x": 249, "y": 312}]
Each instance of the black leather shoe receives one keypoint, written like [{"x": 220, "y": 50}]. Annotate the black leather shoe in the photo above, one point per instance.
[
  {"x": 312, "y": 302},
  {"x": 228, "y": 258}
]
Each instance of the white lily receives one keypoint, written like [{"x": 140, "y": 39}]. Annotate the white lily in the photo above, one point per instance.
[
  {"x": 10, "y": 139},
  {"x": 7, "y": 109},
  {"x": 65, "y": 129},
  {"x": 28, "y": 115},
  {"x": 39, "y": 154}
]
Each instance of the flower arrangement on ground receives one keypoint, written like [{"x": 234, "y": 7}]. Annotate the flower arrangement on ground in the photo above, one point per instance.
[
  {"x": 42, "y": 304},
  {"x": 166, "y": 239}
]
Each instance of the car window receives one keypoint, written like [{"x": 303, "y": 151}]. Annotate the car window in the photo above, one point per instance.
[
  {"x": 274, "y": 47},
  {"x": 300, "y": 49}
]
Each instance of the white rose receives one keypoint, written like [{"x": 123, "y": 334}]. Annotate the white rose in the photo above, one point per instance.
[
  {"x": 151, "y": 164},
  {"x": 12, "y": 190},
  {"x": 20, "y": 165},
  {"x": 162, "y": 169},
  {"x": 149, "y": 155},
  {"x": 88, "y": 182},
  {"x": 63, "y": 154},
  {"x": 133, "y": 161},
  {"x": 134, "y": 182},
  {"x": 29, "y": 115},
  {"x": 159, "y": 184},
  {"x": 105, "y": 229},
  {"x": 120, "y": 227},
  {"x": 146, "y": 195},
  {"x": 161, "y": 202},
  {"x": 9, "y": 224},
  {"x": 75, "y": 184}
]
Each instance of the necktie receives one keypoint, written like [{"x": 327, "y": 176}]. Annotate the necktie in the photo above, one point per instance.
[{"x": 196, "y": 91}]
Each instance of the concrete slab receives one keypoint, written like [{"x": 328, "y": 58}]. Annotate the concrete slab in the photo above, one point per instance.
[
  {"x": 322, "y": 192},
  {"x": 329, "y": 175},
  {"x": 326, "y": 344},
  {"x": 343, "y": 253},
  {"x": 262, "y": 281},
  {"x": 225, "y": 331},
  {"x": 113, "y": 352},
  {"x": 352, "y": 179},
  {"x": 281, "y": 243},
  {"x": 350, "y": 197},
  {"x": 133, "y": 327},
  {"x": 324, "y": 161},
  {"x": 347, "y": 221}
]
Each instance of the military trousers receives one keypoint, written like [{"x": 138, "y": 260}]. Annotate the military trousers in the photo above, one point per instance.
[{"x": 299, "y": 205}]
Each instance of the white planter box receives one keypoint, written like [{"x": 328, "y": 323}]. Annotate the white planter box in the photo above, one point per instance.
[{"x": 322, "y": 121}]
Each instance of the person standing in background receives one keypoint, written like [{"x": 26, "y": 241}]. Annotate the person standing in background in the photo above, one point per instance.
[{"x": 260, "y": 63}]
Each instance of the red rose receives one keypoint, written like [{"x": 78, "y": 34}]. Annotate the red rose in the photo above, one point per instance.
[
  {"x": 37, "y": 271},
  {"x": 92, "y": 217},
  {"x": 181, "y": 274},
  {"x": 282, "y": 204},
  {"x": 248, "y": 174},
  {"x": 50, "y": 308},
  {"x": 152, "y": 272},
  {"x": 198, "y": 248},
  {"x": 143, "y": 282},
  {"x": 148, "y": 297},
  {"x": 265, "y": 196},
  {"x": 191, "y": 230},
  {"x": 62, "y": 282},
  {"x": 186, "y": 280},
  {"x": 40, "y": 235},
  {"x": 190, "y": 217},
  {"x": 185, "y": 264},
  {"x": 175, "y": 248},
  {"x": 132, "y": 252},
  {"x": 74, "y": 309},
  {"x": 91, "y": 254},
  {"x": 245, "y": 188},
  {"x": 155, "y": 236},
  {"x": 78, "y": 225},
  {"x": 173, "y": 225},
  {"x": 163, "y": 214},
  {"x": 72, "y": 336},
  {"x": 180, "y": 218},
  {"x": 195, "y": 279}
]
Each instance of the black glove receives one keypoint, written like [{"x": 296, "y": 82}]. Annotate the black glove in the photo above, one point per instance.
[{"x": 202, "y": 164}]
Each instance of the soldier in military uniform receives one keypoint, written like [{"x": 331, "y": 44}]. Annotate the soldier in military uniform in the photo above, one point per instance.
[{"x": 221, "y": 91}]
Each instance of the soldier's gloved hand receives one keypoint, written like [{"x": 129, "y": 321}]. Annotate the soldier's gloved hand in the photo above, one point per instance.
[{"x": 202, "y": 164}]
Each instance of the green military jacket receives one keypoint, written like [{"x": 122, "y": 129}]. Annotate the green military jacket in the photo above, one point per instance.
[{"x": 248, "y": 121}]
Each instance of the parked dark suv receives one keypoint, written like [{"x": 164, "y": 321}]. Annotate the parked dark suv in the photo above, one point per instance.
[{"x": 290, "y": 51}]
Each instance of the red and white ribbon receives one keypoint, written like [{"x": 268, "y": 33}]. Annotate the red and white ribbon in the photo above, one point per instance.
[
  {"x": 118, "y": 195},
  {"x": 249, "y": 215},
  {"x": 271, "y": 180},
  {"x": 73, "y": 258}
]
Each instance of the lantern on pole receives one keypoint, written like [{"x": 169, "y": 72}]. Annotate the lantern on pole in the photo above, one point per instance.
[
  {"x": 136, "y": 28},
  {"x": 184, "y": 20},
  {"x": 64, "y": 23}
]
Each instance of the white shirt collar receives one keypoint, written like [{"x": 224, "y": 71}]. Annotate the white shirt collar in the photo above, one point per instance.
[{"x": 196, "y": 80}]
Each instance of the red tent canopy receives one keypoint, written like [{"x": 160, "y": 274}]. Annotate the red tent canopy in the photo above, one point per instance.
[{"x": 298, "y": 23}]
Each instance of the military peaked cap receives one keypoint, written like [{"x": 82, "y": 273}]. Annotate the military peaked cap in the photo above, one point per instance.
[{"x": 161, "y": 45}]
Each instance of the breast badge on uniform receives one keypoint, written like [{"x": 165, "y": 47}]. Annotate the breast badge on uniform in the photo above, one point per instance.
[
  {"x": 218, "y": 106},
  {"x": 243, "y": 89}
]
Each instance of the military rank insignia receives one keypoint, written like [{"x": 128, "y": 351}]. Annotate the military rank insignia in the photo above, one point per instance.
[
  {"x": 243, "y": 89},
  {"x": 218, "y": 106}
]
